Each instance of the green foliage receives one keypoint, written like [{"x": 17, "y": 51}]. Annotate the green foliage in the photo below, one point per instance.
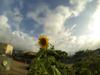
[
  {"x": 47, "y": 62},
  {"x": 54, "y": 62},
  {"x": 88, "y": 65}
]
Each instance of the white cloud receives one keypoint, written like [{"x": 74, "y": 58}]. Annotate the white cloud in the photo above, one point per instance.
[
  {"x": 35, "y": 14},
  {"x": 53, "y": 22},
  {"x": 15, "y": 17},
  {"x": 3, "y": 23},
  {"x": 93, "y": 28},
  {"x": 91, "y": 40},
  {"x": 78, "y": 5},
  {"x": 94, "y": 24},
  {"x": 18, "y": 39},
  {"x": 22, "y": 41},
  {"x": 11, "y": 18},
  {"x": 61, "y": 37}
]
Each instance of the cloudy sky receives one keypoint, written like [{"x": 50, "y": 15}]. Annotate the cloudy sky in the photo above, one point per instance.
[{"x": 71, "y": 25}]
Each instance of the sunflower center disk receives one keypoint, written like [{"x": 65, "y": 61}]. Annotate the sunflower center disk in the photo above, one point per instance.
[{"x": 43, "y": 42}]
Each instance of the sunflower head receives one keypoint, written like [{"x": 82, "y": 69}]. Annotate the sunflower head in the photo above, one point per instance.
[{"x": 43, "y": 41}]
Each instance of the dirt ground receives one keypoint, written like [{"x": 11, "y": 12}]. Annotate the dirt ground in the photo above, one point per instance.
[{"x": 17, "y": 68}]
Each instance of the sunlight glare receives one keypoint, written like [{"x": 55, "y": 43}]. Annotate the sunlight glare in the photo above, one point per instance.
[{"x": 95, "y": 26}]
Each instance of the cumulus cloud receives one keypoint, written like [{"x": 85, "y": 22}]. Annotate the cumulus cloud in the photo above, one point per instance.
[
  {"x": 10, "y": 31},
  {"x": 78, "y": 5},
  {"x": 60, "y": 36},
  {"x": 22, "y": 40},
  {"x": 3, "y": 23},
  {"x": 91, "y": 40},
  {"x": 53, "y": 23},
  {"x": 18, "y": 39},
  {"x": 15, "y": 17},
  {"x": 93, "y": 28},
  {"x": 42, "y": 9},
  {"x": 94, "y": 21}
]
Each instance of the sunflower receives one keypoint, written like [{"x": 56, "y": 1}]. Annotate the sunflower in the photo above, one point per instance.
[{"x": 43, "y": 41}]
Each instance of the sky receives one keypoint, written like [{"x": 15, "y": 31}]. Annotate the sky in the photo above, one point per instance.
[{"x": 71, "y": 25}]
